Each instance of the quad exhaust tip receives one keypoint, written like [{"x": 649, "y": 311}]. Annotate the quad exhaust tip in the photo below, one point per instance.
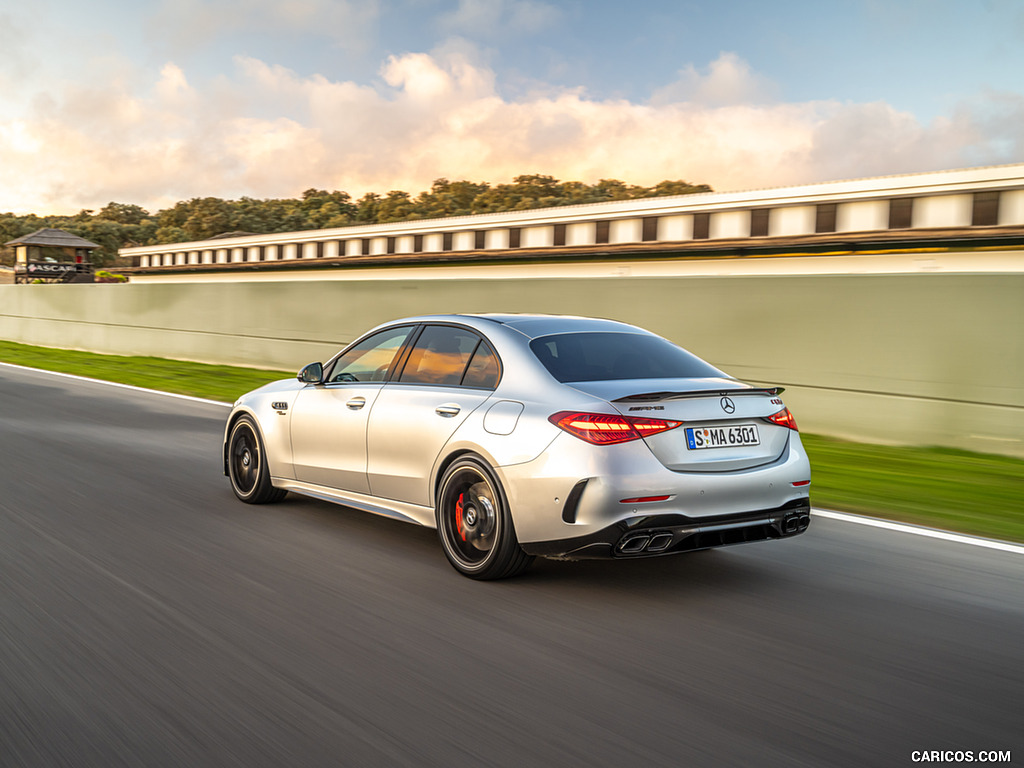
[
  {"x": 634, "y": 544},
  {"x": 796, "y": 522},
  {"x": 642, "y": 542},
  {"x": 659, "y": 542}
]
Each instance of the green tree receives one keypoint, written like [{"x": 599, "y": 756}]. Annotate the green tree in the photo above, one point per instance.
[
  {"x": 613, "y": 189},
  {"x": 397, "y": 206},
  {"x": 326, "y": 209},
  {"x": 209, "y": 216},
  {"x": 678, "y": 187},
  {"x": 123, "y": 213},
  {"x": 448, "y": 198},
  {"x": 367, "y": 208},
  {"x": 170, "y": 234}
]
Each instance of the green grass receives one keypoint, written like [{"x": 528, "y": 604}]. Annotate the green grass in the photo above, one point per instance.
[
  {"x": 974, "y": 493},
  {"x": 977, "y": 493},
  {"x": 214, "y": 382}
]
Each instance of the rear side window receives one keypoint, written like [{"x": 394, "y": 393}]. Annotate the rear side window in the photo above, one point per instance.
[
  {"x": 441, "y": 356},
  {"x": 611, "y": 356},
  {"x": 483, "y": 369}
]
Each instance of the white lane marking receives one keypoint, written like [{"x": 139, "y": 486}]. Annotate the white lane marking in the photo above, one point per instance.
[
  {"x": 920, "y": 530},
  {"x": 115, "y": 384}
]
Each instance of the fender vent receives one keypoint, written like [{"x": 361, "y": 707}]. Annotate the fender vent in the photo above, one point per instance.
[{"x": 572, "y": 501}]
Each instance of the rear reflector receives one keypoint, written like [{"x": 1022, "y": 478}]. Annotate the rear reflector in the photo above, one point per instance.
[
  {"x": 644, "y": 499},
  {"x": 800, "y": 483},
  {"x": 784, "y": 419},
  {"x": 609, "y": 429}
]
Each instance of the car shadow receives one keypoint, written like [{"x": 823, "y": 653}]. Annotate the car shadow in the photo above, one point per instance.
[{"x": 418, "y": 548}]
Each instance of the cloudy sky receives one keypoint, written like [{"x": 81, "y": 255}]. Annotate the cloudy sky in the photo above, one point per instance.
[{"x": 155, "y": 101}]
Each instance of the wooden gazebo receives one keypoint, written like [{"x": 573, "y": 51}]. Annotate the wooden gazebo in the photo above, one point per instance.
[{"x": 52, "y": 256}]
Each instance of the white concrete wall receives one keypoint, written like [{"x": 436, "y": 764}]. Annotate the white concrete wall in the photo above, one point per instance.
[
  {"x": 625, "y": 231},
  {"x": 729, "y": 224},
  {"x": 580, "y": 233},
  {"x": 497, "y": 238},
  {"x": 463, "y": 241},
  {"x": 433, "y": 243},
  {"x": 862, "y": 216},
  {"x": 943, "y": 211},
  {"x": 537, "y": 237},
  {"x": 792, "y": 220},
  {"x": 1011, "y": 207},
  {"x": 675, "y": 228},
  {"x": 883, "y": 358}
]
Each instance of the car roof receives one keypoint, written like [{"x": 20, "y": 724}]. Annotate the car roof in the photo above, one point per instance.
[{"x": 533, "y": 325}]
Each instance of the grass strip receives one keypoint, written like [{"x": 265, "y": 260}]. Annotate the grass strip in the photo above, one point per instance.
[
  {"x": 213, "y": 382},
  {"x": 975, "y": 493}
]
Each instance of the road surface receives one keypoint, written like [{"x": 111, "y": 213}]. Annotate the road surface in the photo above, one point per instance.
[{"x": 147, "y": 618}]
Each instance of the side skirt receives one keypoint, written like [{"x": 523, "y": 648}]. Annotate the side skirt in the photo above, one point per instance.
[{"x": 397, "y": 510}]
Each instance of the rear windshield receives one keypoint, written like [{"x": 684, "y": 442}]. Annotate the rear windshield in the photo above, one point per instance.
[{"x": 610, "y": 356}]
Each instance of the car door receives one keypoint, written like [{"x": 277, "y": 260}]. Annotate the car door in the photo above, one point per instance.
[
  {"x": 328, "y": 423},
  {"x": 450, "y": 371}
]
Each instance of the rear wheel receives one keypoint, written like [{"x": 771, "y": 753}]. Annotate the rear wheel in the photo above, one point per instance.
[
  {"x": 474, "y": 524},
  {"x": 247, "y": 465}
]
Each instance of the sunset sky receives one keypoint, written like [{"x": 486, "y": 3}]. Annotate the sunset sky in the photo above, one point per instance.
[{"x": 155, "y": 101}]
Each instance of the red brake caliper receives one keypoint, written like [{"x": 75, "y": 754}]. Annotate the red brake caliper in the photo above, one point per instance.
[{"x": 458, "y": 516}]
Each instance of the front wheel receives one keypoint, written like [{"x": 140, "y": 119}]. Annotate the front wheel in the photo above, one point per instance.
[
  {"x": 247, "y": 465},
  {"x": 474, "y": 524}
]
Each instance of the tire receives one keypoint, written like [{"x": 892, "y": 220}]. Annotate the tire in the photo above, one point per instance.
[
  {"x": 474, "y": 524},
  {"x": 247, "y": 465}
]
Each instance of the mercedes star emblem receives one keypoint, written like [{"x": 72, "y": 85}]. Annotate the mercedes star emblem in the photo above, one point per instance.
[{"x": 728, "y": 405}]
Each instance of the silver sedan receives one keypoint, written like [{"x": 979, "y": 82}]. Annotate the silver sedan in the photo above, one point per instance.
[{"x": 518, "y": 436}]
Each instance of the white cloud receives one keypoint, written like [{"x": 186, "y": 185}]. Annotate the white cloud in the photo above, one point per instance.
[
  {"x": 729, "y": 80},
  {"x": 267, "y": 132}
]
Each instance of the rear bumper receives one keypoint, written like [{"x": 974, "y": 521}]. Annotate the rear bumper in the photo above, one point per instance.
[
  {"x": 657, "y": 535},
  {"x": 624, "y": 485}
]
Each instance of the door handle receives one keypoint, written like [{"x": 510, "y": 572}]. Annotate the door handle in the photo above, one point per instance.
[
  {"x": 356, "y": 403},
  {"x": 448, "y": 410}
]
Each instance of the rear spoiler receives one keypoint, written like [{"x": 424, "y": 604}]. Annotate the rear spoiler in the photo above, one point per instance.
[{"x": 648, "y": 396}]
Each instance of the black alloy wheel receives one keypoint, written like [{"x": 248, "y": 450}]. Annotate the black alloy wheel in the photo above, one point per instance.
[
  {"x": 474, "y": 524},
  {"x": 247, "y": 465}
]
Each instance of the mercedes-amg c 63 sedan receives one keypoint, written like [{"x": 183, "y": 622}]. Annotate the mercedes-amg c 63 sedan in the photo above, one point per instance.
[{"x": 524, "y": 435}]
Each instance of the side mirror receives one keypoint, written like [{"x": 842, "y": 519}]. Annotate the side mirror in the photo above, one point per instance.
[{"x": 312, "y": 374}]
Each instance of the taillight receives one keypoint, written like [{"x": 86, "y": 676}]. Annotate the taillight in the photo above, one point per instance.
[
  {"x": 608, "y": 429},
  {"x": 784, "y": 419}
]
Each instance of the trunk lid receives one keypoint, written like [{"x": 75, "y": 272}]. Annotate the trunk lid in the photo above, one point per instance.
[{"x": 724, "y": 428}]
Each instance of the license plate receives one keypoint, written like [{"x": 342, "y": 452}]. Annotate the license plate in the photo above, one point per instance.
[{"x": 698, "y": 438}]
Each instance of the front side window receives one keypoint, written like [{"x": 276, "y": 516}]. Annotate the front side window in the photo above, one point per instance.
[
  {"x": 440, "y": 356},
  {"x": 370, "y": 359},
  {"x": 614, "y": 356}
]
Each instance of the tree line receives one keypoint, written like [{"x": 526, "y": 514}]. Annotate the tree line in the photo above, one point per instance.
[{"x": 120, "y": 225}]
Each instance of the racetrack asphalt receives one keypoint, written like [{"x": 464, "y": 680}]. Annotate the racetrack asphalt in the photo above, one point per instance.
[{"x": 147, "y": 618}]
